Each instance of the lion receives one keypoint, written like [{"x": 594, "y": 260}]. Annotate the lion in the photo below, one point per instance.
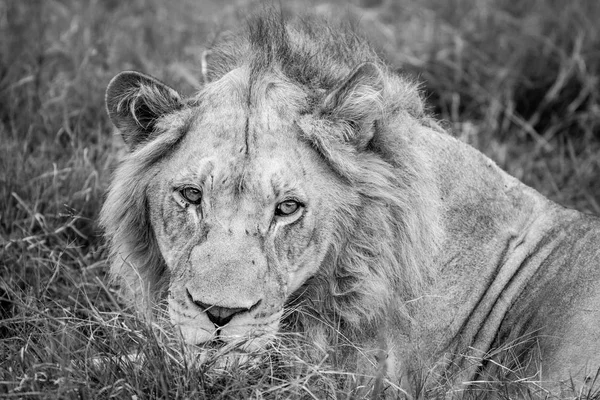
[{"x": 305, "y": 186}]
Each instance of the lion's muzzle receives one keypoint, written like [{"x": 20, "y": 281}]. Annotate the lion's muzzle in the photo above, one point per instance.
[{"x": 200, "y": 322}]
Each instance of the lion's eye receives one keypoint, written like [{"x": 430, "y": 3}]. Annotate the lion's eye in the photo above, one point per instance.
[
  {"x": 191, "y": 195},
  {"x": 287, "y": 207}
]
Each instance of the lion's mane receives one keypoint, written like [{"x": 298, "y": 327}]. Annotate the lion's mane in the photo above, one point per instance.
[{"x": 388, "y": 228}]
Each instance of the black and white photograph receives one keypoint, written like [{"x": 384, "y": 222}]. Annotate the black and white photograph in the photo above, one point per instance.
[{"x": 321, "y": 199}]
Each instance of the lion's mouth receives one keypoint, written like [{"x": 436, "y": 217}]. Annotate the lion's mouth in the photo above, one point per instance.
[{"x": 218, "y": 341}]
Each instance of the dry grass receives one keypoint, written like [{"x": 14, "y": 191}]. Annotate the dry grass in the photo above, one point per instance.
[{"x": 517, "y": 79}]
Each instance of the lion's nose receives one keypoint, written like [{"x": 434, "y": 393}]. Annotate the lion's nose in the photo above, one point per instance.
[{"x": 220, "y": 316}]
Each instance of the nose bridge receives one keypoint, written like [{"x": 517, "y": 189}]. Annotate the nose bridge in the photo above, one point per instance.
[
  {"x": 228, "y": 268},
  {"x": 227, "y": 248},
  {"x": 238, "y": 218},
  {"x": 240, "y": 225}
]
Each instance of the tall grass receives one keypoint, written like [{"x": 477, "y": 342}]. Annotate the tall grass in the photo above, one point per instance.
[{"x": 517, "y": 79}]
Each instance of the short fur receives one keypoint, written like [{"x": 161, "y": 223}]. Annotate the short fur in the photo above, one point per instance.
[{"x": 417, "y": 247}]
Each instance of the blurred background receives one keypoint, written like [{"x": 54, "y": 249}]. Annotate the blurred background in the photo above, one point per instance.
[{"x": 517, "y": 79}]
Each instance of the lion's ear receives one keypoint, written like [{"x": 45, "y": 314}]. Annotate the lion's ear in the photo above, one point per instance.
[
  {"x": 135, "y": 102},
  {"x": 358, "y": 103}
]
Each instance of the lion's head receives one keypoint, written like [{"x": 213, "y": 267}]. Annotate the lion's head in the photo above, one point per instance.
[{"x": 280, "y": 185}]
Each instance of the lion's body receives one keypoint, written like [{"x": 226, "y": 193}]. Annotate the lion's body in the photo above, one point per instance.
[
  {"x": 518, "y": 278},
  {"x": 414, "y": 243}
]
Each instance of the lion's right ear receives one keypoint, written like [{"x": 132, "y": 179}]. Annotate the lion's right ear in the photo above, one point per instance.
[
  {"x": 358, "y": 103},
  {"x": 135, "y": 102}
]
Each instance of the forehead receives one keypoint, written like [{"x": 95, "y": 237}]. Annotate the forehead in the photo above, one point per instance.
[{"x": 244, "y": 128}]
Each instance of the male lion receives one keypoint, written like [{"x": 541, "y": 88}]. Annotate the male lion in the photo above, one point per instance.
[{"x": 305, "y": 178}]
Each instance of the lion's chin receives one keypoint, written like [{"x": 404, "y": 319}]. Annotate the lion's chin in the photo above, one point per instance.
[{"x": 244, "y": 338}]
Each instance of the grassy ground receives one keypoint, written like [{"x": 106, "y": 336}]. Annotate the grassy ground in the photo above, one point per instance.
[{"x": 517, "y": 79}]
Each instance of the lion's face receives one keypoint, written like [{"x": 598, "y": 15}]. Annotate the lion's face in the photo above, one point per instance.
[
  {"x": 236, "y": 197},
  {"x": 241, "y": 212}
]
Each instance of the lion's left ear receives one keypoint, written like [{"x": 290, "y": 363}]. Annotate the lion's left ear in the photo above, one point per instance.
[{"x": 357, "y": 103}]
